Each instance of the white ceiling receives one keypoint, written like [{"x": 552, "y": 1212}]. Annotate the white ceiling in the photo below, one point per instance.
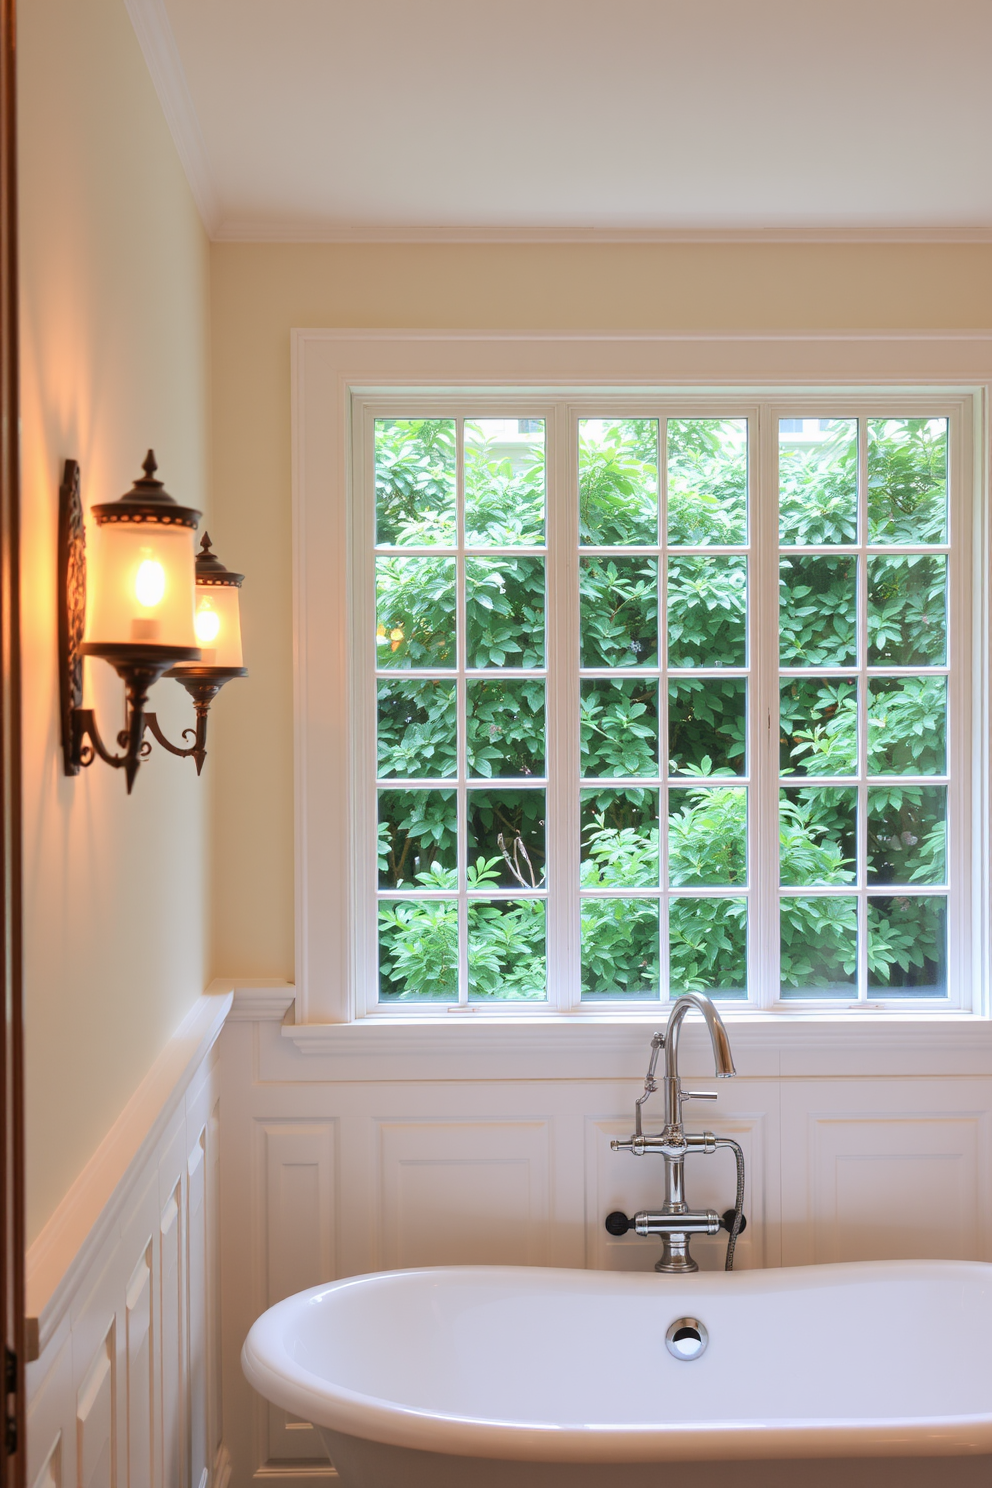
[{"x": 323, "y": 119}]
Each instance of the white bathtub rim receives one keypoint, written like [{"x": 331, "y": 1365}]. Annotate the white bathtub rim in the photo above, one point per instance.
[{"x": 280, "y": 1379}]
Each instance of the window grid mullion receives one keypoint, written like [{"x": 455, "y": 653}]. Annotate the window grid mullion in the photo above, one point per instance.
[
  {"x": 763, "y": 936},
  {"x": 461, "y": 712},
  {"x": 861, "y": 863},
  {"x": 664, "y": 766},
  {"x": 364, "y": 807},
  {"x": 562, "y": 708}
]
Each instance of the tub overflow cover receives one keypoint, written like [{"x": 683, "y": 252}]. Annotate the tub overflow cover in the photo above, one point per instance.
[{"x": 686, "y": 1338}]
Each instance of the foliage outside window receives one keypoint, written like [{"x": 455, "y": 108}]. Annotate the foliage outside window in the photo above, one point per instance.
[{"x": 662, "y": 836}]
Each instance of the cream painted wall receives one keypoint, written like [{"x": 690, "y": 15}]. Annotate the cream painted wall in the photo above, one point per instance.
[
  {"x": 115, "y": 326},
  {"x": 259, "y": 292}
]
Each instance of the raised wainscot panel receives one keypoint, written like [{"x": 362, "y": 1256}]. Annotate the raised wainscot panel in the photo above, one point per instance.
[
  {"x": 298, "y": 1175},
  {"x": 619, "y": 1180},
  {"x": 138, "y": 1350},
  {"x": 51, "y": 1409},
  {"x": 196, "y": 1287},
  {"x": 50, "y": 1475},
  {"x": 464, "y": 1193},
  {"x": 903, "y": 1183},
  {"x": 96, "y": 1420},
  {"x": 171, "y": 1372}
]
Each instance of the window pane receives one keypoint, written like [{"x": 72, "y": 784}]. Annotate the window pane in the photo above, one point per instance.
[
  {"x": 618, "y": 482},
  {"x": 907, "y": 946},
  {"x": 415, "y": 483},
  {"x": 417, "y": 729},
  {"x": 819, "y": 947},
  {"x": 707, "y": 838},
  {"x": 418, "y": 839},
  {"x": 817, "y": 611},
  {"x": 707, "y": 612},
  {"x": 619, "y": 727},
  {"x": 618, "y": 618},
  {"x": 907, "y": 480},
  {"x": 708, "y": 946},
  {"x": 507, "y": 958},
  {"x": 504, "y": 483},
  {"x": 506, "y": 839},
  {"x": 707, "y": 725},
  {"x": 907, "y": 832},
  {"x": 418, "y": 951},
  {"x": 817, "y": 836},
  {"x": 619, "y": 831},
  {"x": 505, "y": 726},
  {"x": 415, "y": 612},
  {"x": 818, "y": 726},
  {"x": 818, "y": 482},
  {"x": 504, "y": 611},
  {"x": 620, "y": 949},
  {"x": 907, "y": 610},
  {"x": 707, "y": 481},
  {"x": 907, "y": 725}
]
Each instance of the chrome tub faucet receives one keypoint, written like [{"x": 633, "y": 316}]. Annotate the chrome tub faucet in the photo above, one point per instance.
[{"x": 675, "y": 1222}]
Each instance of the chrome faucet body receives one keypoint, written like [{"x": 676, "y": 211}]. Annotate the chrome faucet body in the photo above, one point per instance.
[{"x": 675, "y": 1222}]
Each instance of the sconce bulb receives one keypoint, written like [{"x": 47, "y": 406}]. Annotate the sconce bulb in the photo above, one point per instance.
[
  {"x": 207, "y": 625},
  {"x": 149, "y": 583}
]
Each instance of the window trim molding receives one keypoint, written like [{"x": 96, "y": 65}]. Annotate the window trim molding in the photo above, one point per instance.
[{"x": 329, "y": 366}]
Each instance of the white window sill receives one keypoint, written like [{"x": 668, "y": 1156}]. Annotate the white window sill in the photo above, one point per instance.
[{"x": 773, "y": 1044}]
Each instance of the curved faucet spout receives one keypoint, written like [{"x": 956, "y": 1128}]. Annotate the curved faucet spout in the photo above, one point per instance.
[{"x": 718, "y": 1035}]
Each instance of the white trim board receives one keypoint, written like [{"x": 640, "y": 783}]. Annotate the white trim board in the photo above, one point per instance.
[
  {"x": 90, "y": 1210},
  {"x": 256, "y": 999},
  {"x": 329, "y": 366},
  {"x": 260, "y": 230}
]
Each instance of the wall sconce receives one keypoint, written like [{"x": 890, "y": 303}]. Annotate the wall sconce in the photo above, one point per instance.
[{"x": 142, "y": 617}]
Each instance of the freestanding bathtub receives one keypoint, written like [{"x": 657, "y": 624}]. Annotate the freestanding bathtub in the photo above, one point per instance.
[{"x": 850, "y": 1376}]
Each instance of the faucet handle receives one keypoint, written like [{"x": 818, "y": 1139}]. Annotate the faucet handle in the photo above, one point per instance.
[
  {"x": 698, "y": 1095},
  {"x": 617, "y": 1223}
]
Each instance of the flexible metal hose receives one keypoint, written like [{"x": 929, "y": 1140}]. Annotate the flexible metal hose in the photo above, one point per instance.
[{"x": 735, "y": 1228}]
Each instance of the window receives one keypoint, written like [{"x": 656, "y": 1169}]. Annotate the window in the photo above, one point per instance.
[{"x": 660, "y": 695}]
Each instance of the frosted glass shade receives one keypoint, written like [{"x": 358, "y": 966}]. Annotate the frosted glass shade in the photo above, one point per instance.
[
  {"x": 218, "y": 625},
  {"x": 218, "y": 616},
  {"x": 140, "y": 589}
]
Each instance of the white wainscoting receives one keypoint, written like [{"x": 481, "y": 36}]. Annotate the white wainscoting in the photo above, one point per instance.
[
  {"x": 123, "y": 1294},
  {"x": 348, "y": 1149}
]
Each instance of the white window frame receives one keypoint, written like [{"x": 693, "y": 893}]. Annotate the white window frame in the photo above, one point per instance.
[{"x": 336, "y": 394}]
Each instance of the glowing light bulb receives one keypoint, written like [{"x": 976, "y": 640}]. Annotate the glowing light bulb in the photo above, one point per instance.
[
  {"x": 207, "y": 624},
  {"x": 149, "y": 583}
]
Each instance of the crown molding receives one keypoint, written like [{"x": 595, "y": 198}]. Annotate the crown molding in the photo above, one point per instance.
[
  {"x": 260, "y": 231},
  {"x": 158, "y": 45},
  {"x": 397, "y": 334}
]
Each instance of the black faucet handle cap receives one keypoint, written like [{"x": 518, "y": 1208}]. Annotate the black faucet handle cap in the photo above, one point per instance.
[{"x": 618, "y": 1224}]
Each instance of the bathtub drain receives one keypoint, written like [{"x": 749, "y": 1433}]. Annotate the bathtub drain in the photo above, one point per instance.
[{"x": 686, "y": 1338}]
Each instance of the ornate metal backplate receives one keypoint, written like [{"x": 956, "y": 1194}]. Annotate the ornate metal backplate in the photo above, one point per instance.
[{"x": 72, "y": 607}]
